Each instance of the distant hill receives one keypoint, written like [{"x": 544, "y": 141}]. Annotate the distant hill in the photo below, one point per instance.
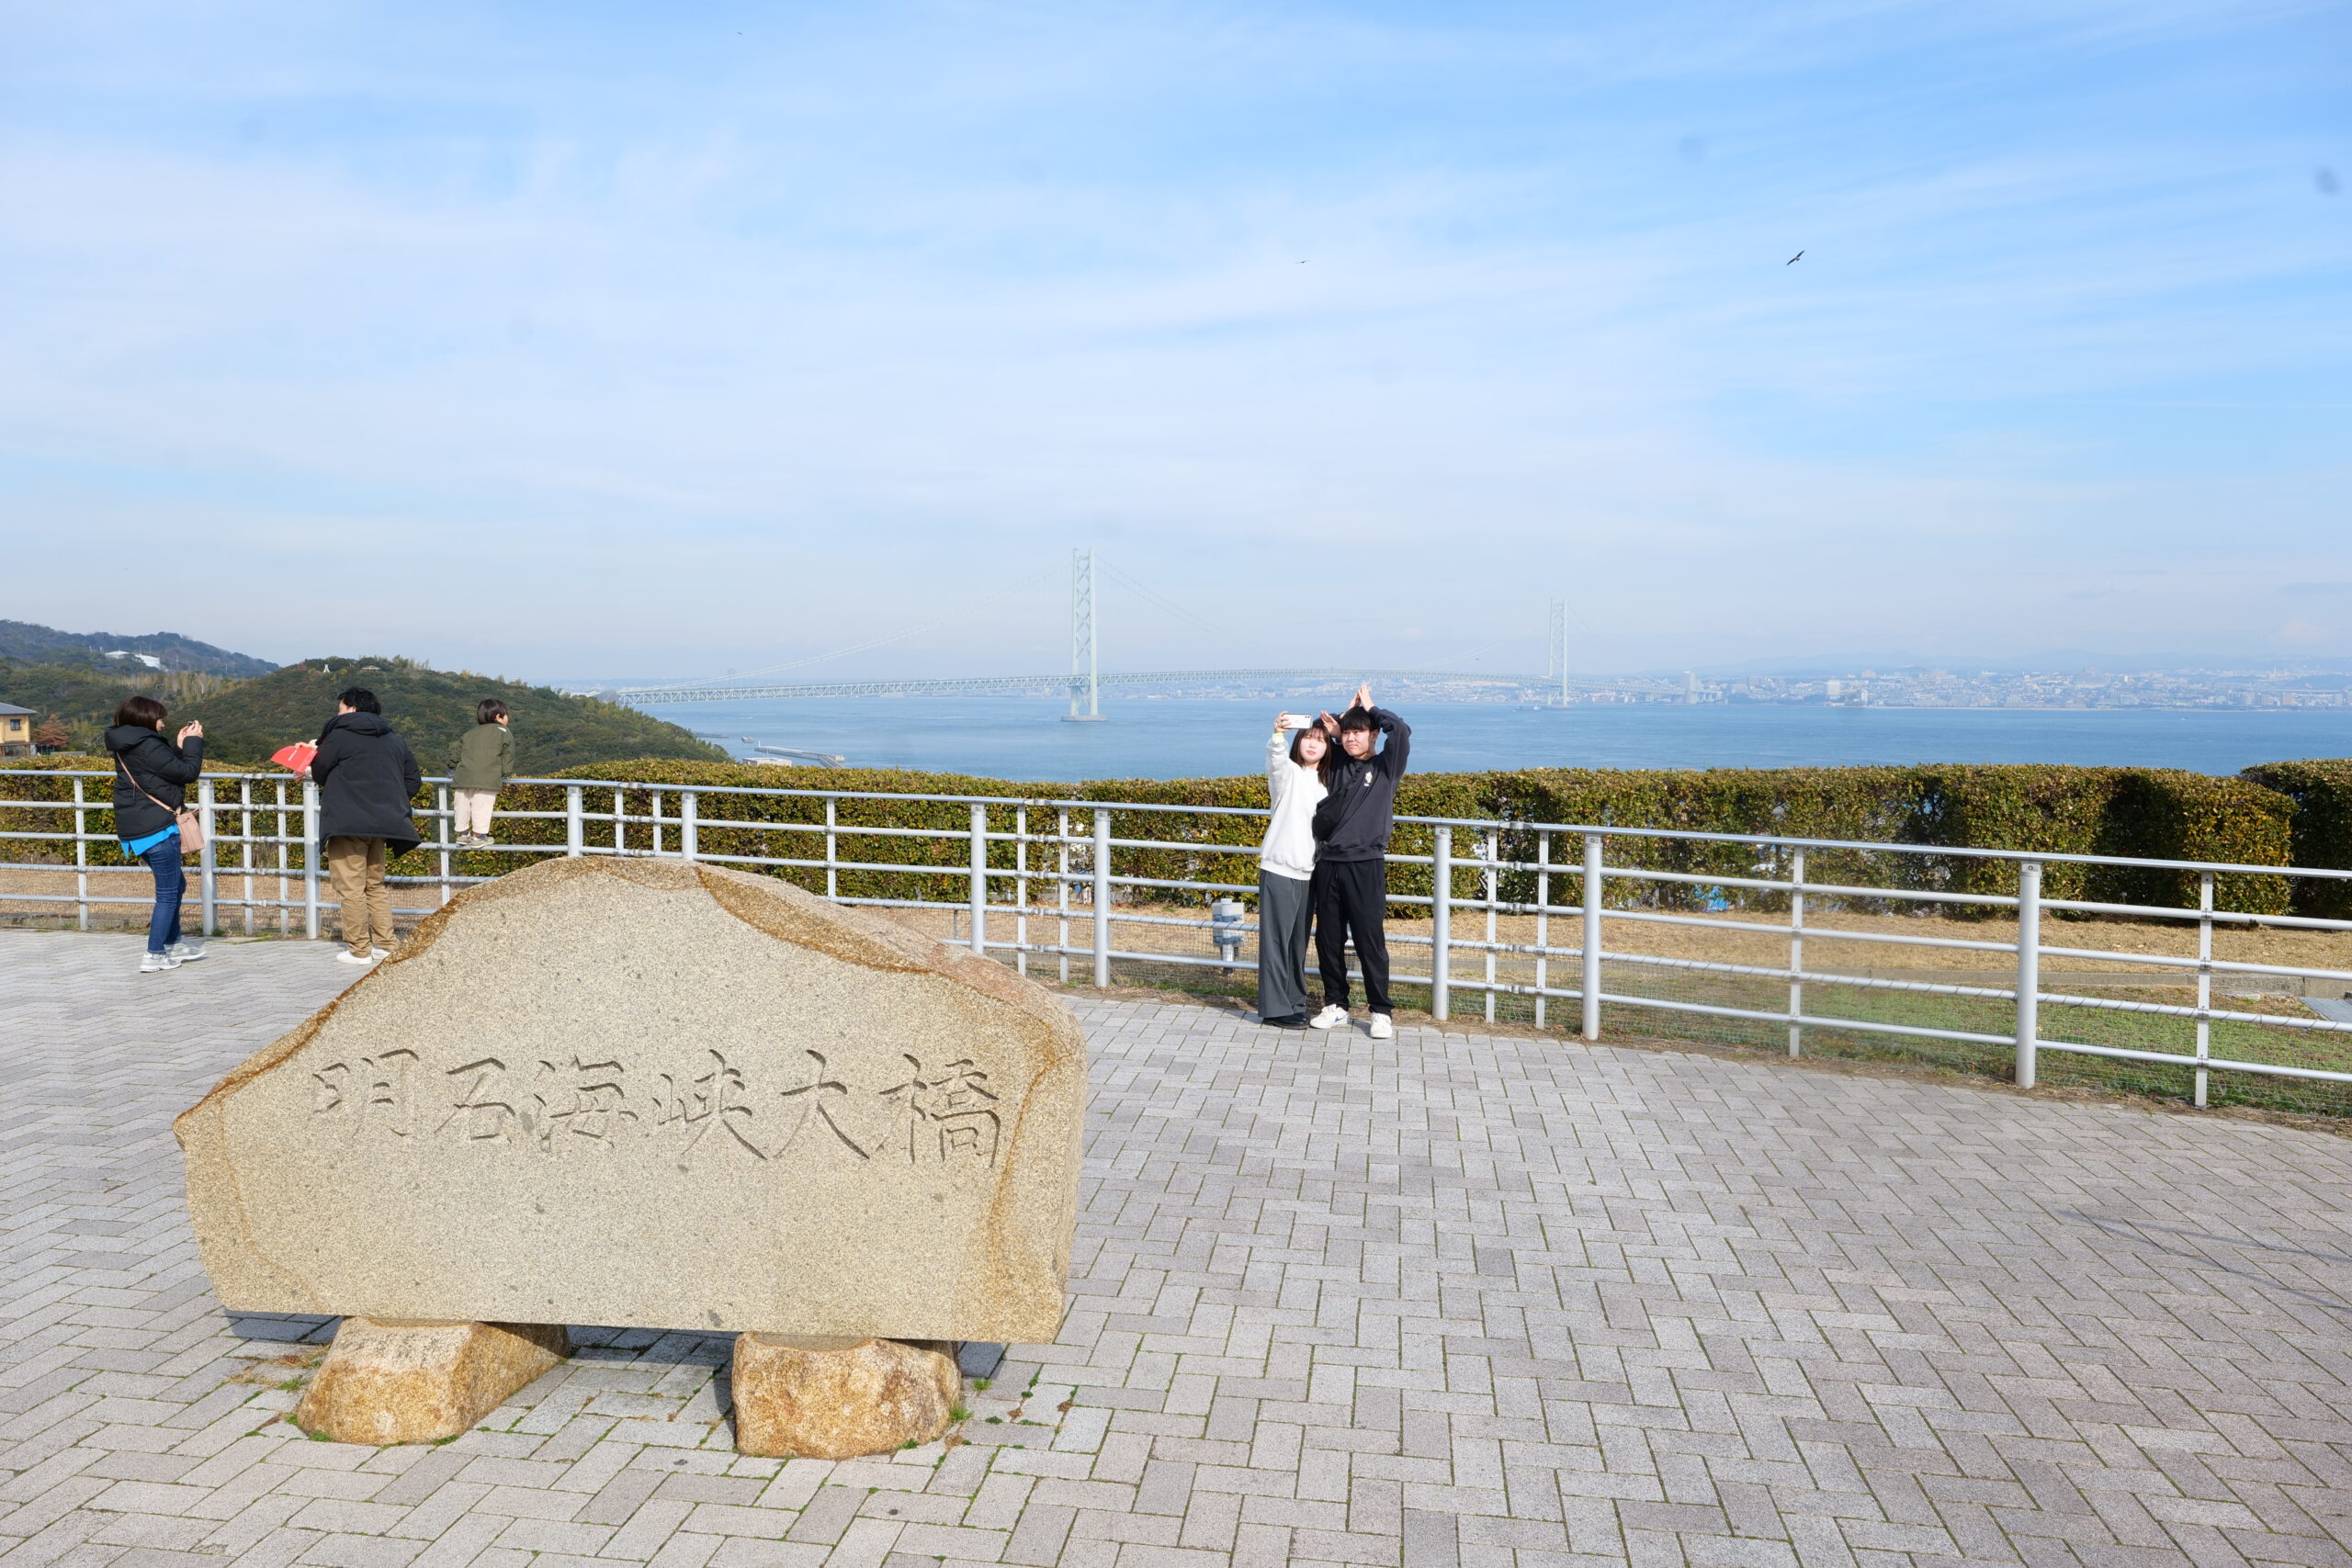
[
  {"x": 22, "y": 639},
  {"x": 247, "y": 721},
  {"x": 83, "y": 689}
]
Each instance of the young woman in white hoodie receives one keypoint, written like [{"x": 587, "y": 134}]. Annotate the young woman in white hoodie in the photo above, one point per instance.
[{"x": 1295, "y": 775}]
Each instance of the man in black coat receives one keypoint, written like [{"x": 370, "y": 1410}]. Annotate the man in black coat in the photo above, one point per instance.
[{"x": 366, "y": 775}]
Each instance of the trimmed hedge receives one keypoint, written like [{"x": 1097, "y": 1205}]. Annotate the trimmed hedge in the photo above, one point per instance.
[
  {"x": 2321, "y": 793},
  {"x": 2141, "y": 813},
  {"x": 2298, "y": 812}
]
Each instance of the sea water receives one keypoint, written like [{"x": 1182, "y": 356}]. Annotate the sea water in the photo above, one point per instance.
[{"x": 1025, "y": 739}]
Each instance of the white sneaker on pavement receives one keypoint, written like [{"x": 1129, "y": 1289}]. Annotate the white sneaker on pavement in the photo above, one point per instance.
[
  {"x": 1332, "y": 1017},
  {"x": 186, "y": 952},
  {"x": 379, "y": 953},
  {"x": 1383, "y": 1027},
  {"x": 156, "y": 962},
  {"x": 347, "y": 957}
]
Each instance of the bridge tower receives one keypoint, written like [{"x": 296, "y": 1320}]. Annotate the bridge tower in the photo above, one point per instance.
[
  {"x": 1556, "y": 663},
  {"x": 1084, "y": 675}
]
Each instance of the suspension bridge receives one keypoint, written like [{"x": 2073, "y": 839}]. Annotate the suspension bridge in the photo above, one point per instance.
[{"x": 1086, "y": 679}]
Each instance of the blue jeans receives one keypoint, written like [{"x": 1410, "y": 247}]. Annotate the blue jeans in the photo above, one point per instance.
[{"x": 164, "y": 926}]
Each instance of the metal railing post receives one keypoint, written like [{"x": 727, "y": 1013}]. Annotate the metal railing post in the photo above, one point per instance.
[
  {"x": 1061, "y": 890},
  {"x": 1021, "y": 889},
  {"x": 81, "y": 858},
  {"x": 981, "y": 880},
  {"x": 689, "y": 824},
  {"x": 1493, "y": 883},
  {"x": 1441, "y": 926},
  {"x": 310, "y": 859},
  {"x": 832, "y": 856},
  {"x": 208, "y": 860},
  {"x": 285, "y": 894},
  {"x": 1102, "y": 898},
  {"x": 444, "y": 812},
  {"x": 2204, "y": 983},
  {"x": 575, "y": 830},
  {"x": 2028, "y": 968},
  {"x": 1591, "y": 1027},
  {"x": 1796, "y": 951},
  {"x": 1543, "y": 918},
  {"x": 245, "y": 844}
]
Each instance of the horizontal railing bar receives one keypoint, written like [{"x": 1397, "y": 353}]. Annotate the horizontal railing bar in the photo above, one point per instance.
[
  {"x": 2176, "y": 912},
  {"x": 1503, "y": 825},
  {"x": 2219, "y": 965},
  {"x": 1809, "y": 1020},
  {"x": 2174, "y": 1010},
  {"x": 2275, "y": 1069}
]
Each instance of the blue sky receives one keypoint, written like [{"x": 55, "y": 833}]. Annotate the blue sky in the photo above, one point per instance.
[{"x": 587, "y": 341}]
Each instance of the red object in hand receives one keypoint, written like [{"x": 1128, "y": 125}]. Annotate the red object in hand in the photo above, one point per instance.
[{"x": 295, "y": 759}]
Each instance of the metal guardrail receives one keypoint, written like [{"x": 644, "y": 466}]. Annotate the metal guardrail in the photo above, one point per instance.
[{"x": 260, "y": 829}]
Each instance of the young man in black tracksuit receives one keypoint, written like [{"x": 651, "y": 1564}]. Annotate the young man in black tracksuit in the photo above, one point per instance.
[{"x": 1351, "y": 886}]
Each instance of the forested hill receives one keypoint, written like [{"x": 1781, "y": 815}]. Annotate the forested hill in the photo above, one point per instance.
[
  {"x": 43, "y": 645},
  {"x": 432, "y": 708}
]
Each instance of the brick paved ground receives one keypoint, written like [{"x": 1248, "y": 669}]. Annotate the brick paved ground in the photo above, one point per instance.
[{"x": 1444, "y": 1300}]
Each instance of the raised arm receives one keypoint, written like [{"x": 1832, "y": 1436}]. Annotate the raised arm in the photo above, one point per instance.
[
  {"x": 186, "y": 762},
  {"x": 1400, "y": 741},
  {"x": 1278, "y": 769}
]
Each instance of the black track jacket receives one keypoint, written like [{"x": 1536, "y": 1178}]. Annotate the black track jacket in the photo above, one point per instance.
[{"x": 1354, "y": 820}]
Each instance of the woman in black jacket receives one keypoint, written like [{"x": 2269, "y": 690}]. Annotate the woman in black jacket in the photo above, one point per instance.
[{"x": 150, "y": 779}]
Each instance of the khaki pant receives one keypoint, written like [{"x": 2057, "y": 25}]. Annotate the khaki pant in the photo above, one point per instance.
[
  {"x": 356, "y": 868},
  {"x": 473, "y": 811}
]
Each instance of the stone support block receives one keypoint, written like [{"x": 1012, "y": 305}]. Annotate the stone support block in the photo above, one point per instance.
[
  {"x": 397, "y": 1381},
  {"x": 841, "y": 1398}
]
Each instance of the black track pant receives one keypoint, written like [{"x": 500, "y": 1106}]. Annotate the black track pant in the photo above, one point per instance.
[{"x": 1351, "y": 901}]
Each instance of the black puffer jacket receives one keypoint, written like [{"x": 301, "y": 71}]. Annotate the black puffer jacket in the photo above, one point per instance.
[
  {"x": 366, "y": 776},
  {"x": 161, "y": 769}
]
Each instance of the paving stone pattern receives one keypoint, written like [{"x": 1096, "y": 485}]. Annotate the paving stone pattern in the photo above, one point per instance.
[{"x": 1444, "y": 1300}]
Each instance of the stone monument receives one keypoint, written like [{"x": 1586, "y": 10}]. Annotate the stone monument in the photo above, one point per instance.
[{"x": 658, "y": 1094}]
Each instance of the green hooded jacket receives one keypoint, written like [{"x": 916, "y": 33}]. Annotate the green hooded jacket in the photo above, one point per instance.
[{"x": 484, "y": 759}]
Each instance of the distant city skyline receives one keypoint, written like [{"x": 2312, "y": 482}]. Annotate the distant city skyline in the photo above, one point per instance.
[{"x": 585, "y": 343}]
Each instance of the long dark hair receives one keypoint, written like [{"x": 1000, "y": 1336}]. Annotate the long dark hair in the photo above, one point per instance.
[{"x": 1322, "y": 765}]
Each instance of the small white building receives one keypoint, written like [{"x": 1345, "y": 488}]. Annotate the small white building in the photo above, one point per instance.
[{"x": 16, "y": 730}]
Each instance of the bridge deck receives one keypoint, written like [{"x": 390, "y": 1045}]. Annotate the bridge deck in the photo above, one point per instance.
[{"x": 1448, "y": 1300}]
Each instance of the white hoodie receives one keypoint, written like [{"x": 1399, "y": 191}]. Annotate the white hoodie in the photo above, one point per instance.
[{"x": 1290, "y": 837}]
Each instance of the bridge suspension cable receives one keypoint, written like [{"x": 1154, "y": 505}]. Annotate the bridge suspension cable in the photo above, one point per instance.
[{"x": 1084, "y": 679}]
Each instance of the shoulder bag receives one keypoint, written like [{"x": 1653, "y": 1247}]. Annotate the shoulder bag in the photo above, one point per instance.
[{"x": 190, "y": 825}]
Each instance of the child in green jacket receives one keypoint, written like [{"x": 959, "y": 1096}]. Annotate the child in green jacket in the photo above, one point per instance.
[{"x": 480, "y": 768}]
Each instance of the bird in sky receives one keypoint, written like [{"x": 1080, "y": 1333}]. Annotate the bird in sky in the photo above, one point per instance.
[{"x": 1794, "y": 260}]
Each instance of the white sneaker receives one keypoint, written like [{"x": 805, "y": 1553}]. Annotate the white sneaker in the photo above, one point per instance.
[
  {"x": 156, "y": 962},
  {"x": 1332, "y": 1017},
  {"x": 186, "y": 952},
  {"x": 1383, "y": 1027},
  {"x": 347, "y": 956},
  {"x": 379, "y": 953}
]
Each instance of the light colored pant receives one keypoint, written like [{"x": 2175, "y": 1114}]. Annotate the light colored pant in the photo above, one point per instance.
[
  {"x": 1283, "y": 903},
  {"x": 473, "y": 811},
  {"x": 356, "y": 868}
]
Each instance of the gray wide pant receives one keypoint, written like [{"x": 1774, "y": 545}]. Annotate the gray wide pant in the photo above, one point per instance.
[{"x": 1282, "y": 906}]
